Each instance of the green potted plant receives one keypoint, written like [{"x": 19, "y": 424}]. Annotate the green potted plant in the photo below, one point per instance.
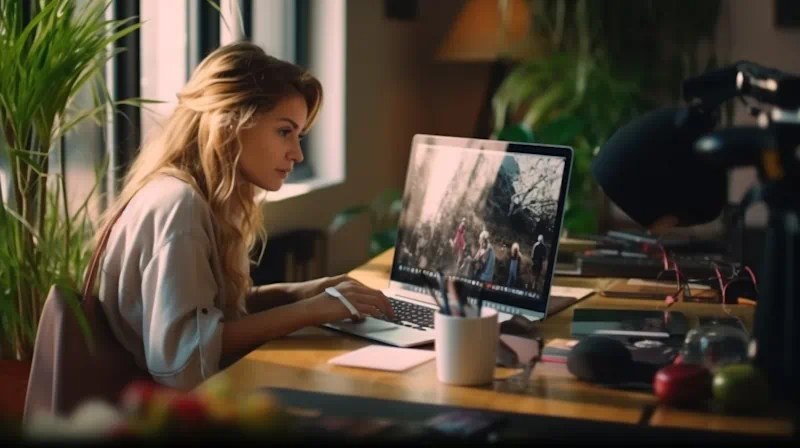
[
  {"x": 384, "y": 214},
  {"x": 596, "y": 72},
  {"x": 46, "y": 59}
]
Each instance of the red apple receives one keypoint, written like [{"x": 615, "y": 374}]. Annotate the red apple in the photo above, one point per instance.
[
  {"x": 122, "y": 431},
  {"x": 683, "y": 384},
  {"x": 137, "y": 395},
  {"x": 188, "y": 410}
]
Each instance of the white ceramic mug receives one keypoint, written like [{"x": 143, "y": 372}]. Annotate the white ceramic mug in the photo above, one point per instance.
[{"x": 466, "y": 348}]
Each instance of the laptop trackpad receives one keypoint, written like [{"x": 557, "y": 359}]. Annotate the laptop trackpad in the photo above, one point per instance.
[{"x": 369, "y": 325}]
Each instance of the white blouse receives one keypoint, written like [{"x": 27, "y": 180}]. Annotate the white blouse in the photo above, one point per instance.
[{"x": 161, "y": 285}]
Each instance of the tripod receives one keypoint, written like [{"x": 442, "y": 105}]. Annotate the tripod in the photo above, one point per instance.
[{"x": 777, "y": 315}]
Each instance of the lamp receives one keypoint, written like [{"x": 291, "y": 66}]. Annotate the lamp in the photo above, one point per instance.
[
  {"x": 495, "y": 31},
  {"x": 485, "y": 30}
]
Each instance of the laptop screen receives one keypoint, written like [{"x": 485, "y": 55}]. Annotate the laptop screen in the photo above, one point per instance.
[{"x": 486, "y": 213}]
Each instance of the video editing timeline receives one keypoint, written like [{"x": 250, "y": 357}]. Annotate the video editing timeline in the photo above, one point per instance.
[{"x": 465, "y": 281}]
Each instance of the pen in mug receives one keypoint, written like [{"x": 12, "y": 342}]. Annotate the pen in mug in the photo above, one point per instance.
[
  {"x": 480, "y": 302},
  {"x": 443, "y": 291},
  {"x": 444, "y": 307},
  {"x": 454, "y": 291}
]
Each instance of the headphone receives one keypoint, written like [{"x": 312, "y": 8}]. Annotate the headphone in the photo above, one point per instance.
[{"x": 608, "y": 361}]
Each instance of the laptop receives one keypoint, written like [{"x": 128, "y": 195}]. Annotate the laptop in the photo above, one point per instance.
[{"x": 485, "y": 213}]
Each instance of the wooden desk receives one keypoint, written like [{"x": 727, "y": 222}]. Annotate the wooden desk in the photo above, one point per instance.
[{"x": 300, "y": 361}]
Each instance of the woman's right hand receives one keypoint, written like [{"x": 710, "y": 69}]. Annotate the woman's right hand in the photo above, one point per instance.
[{"x": 366, "y": 300}]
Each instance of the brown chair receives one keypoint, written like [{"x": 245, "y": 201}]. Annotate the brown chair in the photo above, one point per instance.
[{"x": 64, "y": 371}]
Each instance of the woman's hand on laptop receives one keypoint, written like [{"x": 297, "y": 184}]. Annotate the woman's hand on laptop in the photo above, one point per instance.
[
  {"x": 368, "y": 302},
  {"x": 311, "y": 288}
]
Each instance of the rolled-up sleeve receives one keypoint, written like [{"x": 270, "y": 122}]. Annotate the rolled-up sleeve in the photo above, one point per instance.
[{"x": 182, "y": 327}]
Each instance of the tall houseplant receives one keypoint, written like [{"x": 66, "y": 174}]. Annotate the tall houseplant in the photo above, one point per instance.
[
  {"x": 48, "y": 54},
  {"x": 600, "y": 64}
]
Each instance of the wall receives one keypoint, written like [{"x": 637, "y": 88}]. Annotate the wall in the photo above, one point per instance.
[{"x": 395, "y": 89}]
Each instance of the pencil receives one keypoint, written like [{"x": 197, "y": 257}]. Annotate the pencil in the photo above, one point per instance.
[{"x": 480, "y": 302}]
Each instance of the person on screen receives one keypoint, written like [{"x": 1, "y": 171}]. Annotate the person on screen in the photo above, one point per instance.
[
  {"x": 421, "y": 247},
  {"x": 484, "y": 259},
  {"x": 175, "y": 280},
  {"x": 538, "y": 255},
  {"x": 466, "y": 268},
  {"x": 513, "y": 266},
  {"x": 459, "y": 242}
]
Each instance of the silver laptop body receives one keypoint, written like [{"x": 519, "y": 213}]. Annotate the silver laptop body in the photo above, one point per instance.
[{"x": 456, "y": 190}]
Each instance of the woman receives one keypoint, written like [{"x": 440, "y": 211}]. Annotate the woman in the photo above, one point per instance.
[
  {"x": 485, "y": 258},
  {"x": 175, "y": 282},
  {"x": 513, "y": 266},
  {"x": 459, "y": 242}
]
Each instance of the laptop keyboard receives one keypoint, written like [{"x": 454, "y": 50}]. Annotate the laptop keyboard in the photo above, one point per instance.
[{"x": 411, "y": 315}]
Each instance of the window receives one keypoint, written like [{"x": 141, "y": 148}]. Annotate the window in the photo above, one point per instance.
[
  {"x": 326, "y": 59},
  {"x": 159, "y": 60},
  {"x": 232, "y": 22},
  {"x": 310, "y": 33},
  {"x": 164, "y": 69},
  {"x": 84, "y": 149}
]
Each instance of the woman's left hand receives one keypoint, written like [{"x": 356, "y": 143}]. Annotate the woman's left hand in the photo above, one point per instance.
[{"x": 311, "y": 288}]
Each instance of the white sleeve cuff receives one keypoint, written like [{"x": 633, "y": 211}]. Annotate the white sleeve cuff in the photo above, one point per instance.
[{"x": 209, "y": 330}]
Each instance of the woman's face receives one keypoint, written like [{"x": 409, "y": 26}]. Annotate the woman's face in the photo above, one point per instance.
[{"x": 271, "y": 147}]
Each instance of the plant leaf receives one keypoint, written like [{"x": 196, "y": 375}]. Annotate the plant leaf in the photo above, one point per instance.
[
  {"x": 382, "y": 241},
  {"x": 26, "y": 157},
  {"x": 345, "y": 216},
  {"x": 561, "y": 130},
  {"x": 382, "y": 204},
  {"x": 46, "y": 66}
]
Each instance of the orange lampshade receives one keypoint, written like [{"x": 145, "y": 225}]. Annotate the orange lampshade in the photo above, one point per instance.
[{"x": 486, "y": 30}]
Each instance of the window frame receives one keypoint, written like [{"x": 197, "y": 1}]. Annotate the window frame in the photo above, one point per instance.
[{"x": 126, "y": 125}]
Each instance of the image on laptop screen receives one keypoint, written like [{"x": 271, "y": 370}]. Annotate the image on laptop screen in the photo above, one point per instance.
[{"x": 489, "y": 217}]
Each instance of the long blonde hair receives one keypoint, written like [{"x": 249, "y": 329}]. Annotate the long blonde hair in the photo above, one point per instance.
[{"x": 200, "y": 145}]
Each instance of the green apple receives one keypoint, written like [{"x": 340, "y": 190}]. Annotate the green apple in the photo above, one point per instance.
[
  {"x": 258, "y": 411},
  {"x": 218, "y": 387},
  {"x": 221, "y": 412},
  {"x": 157, "y": 417},
  {"x": 740, "y": 388}
]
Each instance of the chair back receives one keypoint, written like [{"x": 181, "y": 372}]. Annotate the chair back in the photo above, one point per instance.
[{"x": 65, "y": 371}]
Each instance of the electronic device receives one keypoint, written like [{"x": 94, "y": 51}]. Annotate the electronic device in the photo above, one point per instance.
[
  {"x": 608, "y": 361},
  {"x": 726, "y": 321},
  {"x": 470, "y": 208},
  {"x": 641, "y": 289},
  {"x": 642, "y": 324},
  {"x": 600, "y": 265},
  {"x": 677, "y": 144}
]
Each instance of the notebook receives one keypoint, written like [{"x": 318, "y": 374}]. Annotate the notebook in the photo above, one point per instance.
[{"x": 380, "y": 357}]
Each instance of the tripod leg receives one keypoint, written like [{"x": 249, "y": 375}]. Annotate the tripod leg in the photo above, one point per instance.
[{"x": 775, "y": 327}]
